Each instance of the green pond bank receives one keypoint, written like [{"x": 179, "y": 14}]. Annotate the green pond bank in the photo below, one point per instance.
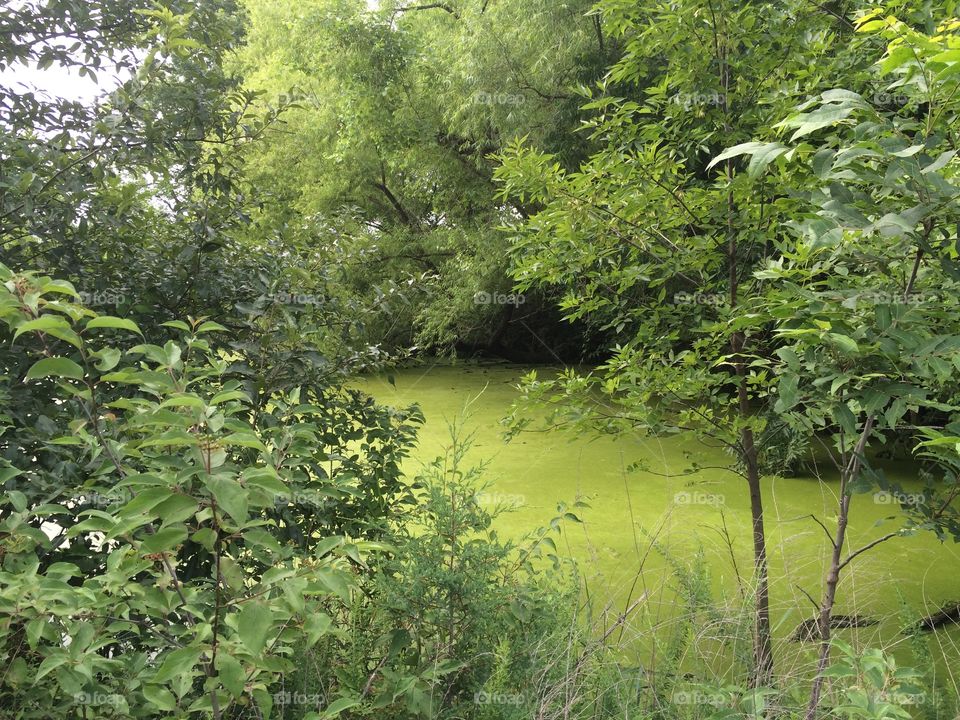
[{"x": 687, "y": 515}]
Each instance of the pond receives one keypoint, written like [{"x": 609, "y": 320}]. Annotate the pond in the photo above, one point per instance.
[{"x": 686, "y": 514}]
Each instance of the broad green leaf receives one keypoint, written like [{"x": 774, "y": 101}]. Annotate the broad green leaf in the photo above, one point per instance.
[
  {"x": 747, "y": 148},
  {"x": 231, "y": 674},
  {"x": 184, "y": 400},
  {"x": 108, "y": 358},
  {"x": 844, "y": 343},
  {"x": 177, "y": 662},
  {"x": 51, "y": 325},
  {"x": 145, "y": 501},
  {"x": 254, "y": 626},
  {"x": 164, "y": 540},
  {"x": 55, "y": 367},
  {"x": 316, "y": 626},
  {"x": 210, "y": 326},
  {"x": 49, "y": 664},
  {"x": 109, "y": 321},
  {"x": 807, "y": 123},
  {"x": 764, "y": 156},
  {"x": 940, "y": 162},
  {"x": 231, "y": 496},
  {"x": 160, "y": 697},
  {"x": 176, "y": 324},
  {"x": 334, "y": 709},
  {"x": 244, "y": 440}
]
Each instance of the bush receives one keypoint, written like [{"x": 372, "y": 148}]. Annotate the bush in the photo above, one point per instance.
[{"x": 167, "y": 572}]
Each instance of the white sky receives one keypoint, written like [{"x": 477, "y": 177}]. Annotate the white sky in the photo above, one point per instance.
[
  {"x": 66, "y": 84},
  {"x": 59, "y": 82}
]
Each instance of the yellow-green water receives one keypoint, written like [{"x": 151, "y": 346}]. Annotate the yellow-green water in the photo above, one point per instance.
[{"x": 537, "y": 470}]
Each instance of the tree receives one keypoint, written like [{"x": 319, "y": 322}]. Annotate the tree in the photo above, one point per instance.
[
  {"x": 383, "y": 162},
  {"x": 184, "y": 597},
  {"x": 646, "y": 239},
  {"x": 866, "y": 297}
]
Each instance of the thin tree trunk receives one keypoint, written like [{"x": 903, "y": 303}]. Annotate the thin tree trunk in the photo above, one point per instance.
[
  {"x": 848, "y": 473},
  {"x": 762, "y": 644},
  {"x": 762, "y": 675},
  {"x": 762, "y": 671}
]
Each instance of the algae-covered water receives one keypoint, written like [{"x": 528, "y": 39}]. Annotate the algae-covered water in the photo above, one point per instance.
[{"x": 686, "y": 514}]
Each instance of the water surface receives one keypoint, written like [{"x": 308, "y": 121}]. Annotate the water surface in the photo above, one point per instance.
[{"x": 707, "y": 513}]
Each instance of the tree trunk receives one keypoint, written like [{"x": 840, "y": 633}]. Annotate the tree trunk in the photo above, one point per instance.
[
  {"x": 762, "y": 675},
  {"x": 847, "y": 473},
  {"x": 762, "y": 641}
]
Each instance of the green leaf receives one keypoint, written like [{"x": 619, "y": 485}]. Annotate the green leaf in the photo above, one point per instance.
[
  {"x": 747, "y": 148},
  {"x": 176, "y": 324},
  {"x": 18, "y": 500},
  {"x": 908, "y": 152},
  {"x": 338, "y": 706},
  {"x": 316, "y": 626},
  {"x": 108, "y": 358},
  {"x": 254, "y": 626},
  {"x": 51, "y": 325},
  {"x": 244, "y": 440},
  {"x": 109, "y": 321},
  {"x": 184, "y": 400},
  {"x": 940, "y": 162},
  {"x": 763, "y": 156},
  {"x": 49, "y": 664},
  {"x": 823, "y": 162},
  {"x": 266, "y": 479},
  {"x": 334, "y": 581},
  {"x": 787, "y": 396},
  {"x": 173, "y": 437},
  {"x": 145, "y": 501},
  {"x": 227, "y": 395},
  {"x": 210, "y": 326},
  {"x": 177, "y": 662},
  {"x": 164, "y": 540},
  {"x": 160, "y": 697},
  {"x": 205, "y": 537},
  {"x": 55, "y": 367},
  {"x": 8, "y": 473},
  {"x": 825, "y": 116},
  {"x": 844, "y": 343},
  {"x": 231, "y": 496},
  {"x": 231, "y": 674}
]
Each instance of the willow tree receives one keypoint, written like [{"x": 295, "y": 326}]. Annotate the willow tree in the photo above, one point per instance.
[{"x": 384, "y": 159}]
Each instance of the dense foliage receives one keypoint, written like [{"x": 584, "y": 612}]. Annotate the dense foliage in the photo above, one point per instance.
[{"x": 745, "y": 214}]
